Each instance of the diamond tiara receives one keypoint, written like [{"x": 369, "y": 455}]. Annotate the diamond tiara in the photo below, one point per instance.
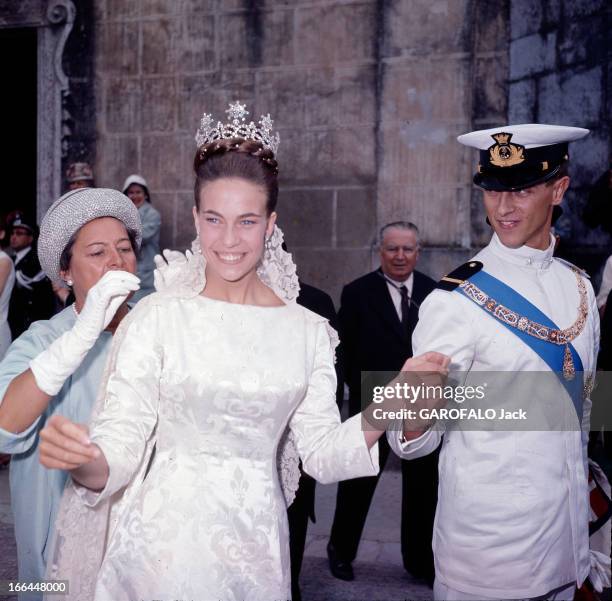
[{"x": 238, "y": 128}]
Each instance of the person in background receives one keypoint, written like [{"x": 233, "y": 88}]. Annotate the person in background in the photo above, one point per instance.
[
  {"x": 95, "y": 254},
  {"x": 597, "y": 213},
  {"x": 378, "y": 313},
  {"x": 136, "y": 188},
  {"x": 32, "y": 296},
  {"x": 605, "y": 286},
  {"x": 7, "y": 280},
  {"x": 79, "y": 175}
]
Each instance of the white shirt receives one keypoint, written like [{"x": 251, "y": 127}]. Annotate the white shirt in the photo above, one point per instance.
[
  {"x": 396, "y": 295},
  {"x": 512, "y": 515}
]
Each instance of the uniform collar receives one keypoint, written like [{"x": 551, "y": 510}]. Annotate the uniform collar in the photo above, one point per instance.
[
  {"x": 524, "y": 256},
  {"x": 20, "y": 254}
]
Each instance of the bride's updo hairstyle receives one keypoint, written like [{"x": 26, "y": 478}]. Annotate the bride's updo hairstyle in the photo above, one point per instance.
[{"x": 239, "y": 158}]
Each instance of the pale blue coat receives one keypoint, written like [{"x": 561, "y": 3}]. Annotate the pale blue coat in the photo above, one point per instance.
[{"x": 35, "y": 491}]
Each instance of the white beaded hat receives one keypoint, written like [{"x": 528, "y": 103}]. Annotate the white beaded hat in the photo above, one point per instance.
[
  {"x": 134, "y": 179},
  {"x": 71, "y": 212}
]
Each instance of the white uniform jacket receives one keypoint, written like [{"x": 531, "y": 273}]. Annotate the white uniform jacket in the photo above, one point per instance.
[{"x": 512, "y": 516}]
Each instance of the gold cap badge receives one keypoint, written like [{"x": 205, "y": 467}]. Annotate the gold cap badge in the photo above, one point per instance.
[{"x": 504, "y": 154}]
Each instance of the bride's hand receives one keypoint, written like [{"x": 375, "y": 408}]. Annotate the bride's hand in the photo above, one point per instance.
[
  {"x": 427, "y": 373},
  {"x": 65, "y": 445},
  {"x": 428, "y": 369},
  {"x": 428, "y": 362}
]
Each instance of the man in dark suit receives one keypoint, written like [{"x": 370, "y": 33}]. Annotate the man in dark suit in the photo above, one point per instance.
[
  {"x": 378, "y": 313},
  {"x": 32, "y": 297}
]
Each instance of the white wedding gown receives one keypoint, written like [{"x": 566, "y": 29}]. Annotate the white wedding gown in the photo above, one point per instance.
[{"x": 217, "y": 383}]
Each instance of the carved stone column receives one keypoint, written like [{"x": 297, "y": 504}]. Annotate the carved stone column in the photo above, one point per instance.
[{"x": 53, "y": 91}]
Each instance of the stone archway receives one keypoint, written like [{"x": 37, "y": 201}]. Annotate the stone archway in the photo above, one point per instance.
[{"x": 54, "y": 20}]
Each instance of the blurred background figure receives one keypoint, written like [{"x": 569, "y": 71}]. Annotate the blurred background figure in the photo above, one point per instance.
[
  {"x": 598, "y": 213},
  {"x": 605, "y": 287},
  {"x": 79, "y": 175},
  {"x": 136, "y": 188},
  {"x": 32, "y": 297},
  {"x": 7, "y": 280},
  {"x": 598, "y": 209}
]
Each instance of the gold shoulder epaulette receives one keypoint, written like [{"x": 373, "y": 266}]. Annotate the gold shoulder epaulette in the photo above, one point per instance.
[{"x": 458, "y": 276}]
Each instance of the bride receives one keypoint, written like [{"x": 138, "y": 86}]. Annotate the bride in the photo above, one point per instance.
[{"x": 213, "y": 371}]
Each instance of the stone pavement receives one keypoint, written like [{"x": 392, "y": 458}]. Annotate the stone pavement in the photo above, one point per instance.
[{"x": 379, "y": 574}]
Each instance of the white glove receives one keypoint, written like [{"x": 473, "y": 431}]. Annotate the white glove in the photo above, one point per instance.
[
  {"x": 169, "y": 269},
  {"x": 179, "y": 275},
  {"x": 600, "y": 570},
  {"x": 55, "y": 364}
]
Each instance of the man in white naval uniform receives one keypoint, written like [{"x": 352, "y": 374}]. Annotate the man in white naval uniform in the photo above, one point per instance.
[{"x": 513, "y": 512}]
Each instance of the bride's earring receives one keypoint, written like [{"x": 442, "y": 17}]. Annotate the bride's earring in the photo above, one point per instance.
[{"x": 196, "y": 249}]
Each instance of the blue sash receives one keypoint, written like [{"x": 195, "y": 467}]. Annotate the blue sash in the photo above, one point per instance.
[{"x": 551, "y": 353}]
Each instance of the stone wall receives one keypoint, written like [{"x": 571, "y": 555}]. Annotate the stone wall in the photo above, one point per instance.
[
  {"x": 560, "y": 73},
  {"x": 368, "y": 97}
]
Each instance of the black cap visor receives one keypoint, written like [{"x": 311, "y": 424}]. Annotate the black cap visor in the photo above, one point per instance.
[
  {"x": 538, "y": 166},
  {"x": 510, "y": 180}
]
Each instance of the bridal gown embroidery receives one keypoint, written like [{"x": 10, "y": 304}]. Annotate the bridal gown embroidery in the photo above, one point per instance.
[{"x": 219, "y": 382}]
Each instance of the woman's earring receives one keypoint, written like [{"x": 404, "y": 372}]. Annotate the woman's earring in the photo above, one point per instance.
[
  {"x": 267, "y": 243},
  {"x": 196, "y": 249},
  {"x": 69, "y": 283}
]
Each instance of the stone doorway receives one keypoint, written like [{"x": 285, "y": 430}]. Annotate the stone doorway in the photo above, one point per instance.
[
  {"x": 18, "y": 108},
  {"x": 38, "y": 29}
]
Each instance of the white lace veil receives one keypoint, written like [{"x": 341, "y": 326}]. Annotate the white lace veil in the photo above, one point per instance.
[{"x": 81, "y": 532}]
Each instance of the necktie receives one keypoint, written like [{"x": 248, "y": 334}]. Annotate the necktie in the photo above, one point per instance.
[{"x": 405, "y": 306}]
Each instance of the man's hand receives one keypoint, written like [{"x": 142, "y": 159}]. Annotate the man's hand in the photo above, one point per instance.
[{"x": 426, "y": 372}]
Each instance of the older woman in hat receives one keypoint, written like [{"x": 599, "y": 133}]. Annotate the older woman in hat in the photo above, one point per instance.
[
  {"x": 136, "y": 188},
  {"x": 88, "y": 239}
]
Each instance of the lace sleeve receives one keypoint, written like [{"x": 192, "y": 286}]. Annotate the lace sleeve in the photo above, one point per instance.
[{"x": 288, "y": 464}]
